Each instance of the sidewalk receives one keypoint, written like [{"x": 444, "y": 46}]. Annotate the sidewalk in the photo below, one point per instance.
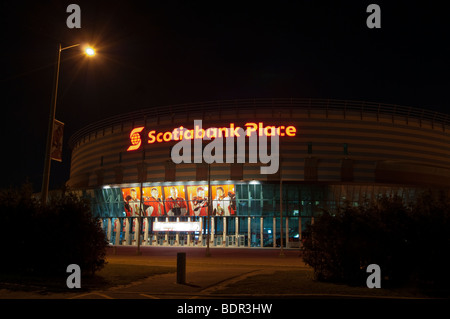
[
  {"x": 226, "y": 274},
  {"x": 204, "y": 275}
]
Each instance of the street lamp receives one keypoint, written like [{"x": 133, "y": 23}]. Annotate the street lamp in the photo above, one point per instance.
[
  {"x": 89, "y": 51},
  {"x": 47, "y": 162}
]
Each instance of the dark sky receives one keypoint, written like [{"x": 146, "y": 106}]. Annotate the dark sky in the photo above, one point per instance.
[{"x": 154, "y": 53}]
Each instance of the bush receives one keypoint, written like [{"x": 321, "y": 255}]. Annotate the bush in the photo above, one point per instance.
[
  {"x": 431, "y": 221},
  {"x": 45, "y": 239},
  {"x": 409, "y": 243}
]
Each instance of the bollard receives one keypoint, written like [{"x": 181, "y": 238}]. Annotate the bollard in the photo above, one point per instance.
[{"x": 181, "y": 268}]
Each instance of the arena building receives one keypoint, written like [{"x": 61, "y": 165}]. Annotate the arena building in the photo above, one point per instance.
[{"x": 330, "y": 152}]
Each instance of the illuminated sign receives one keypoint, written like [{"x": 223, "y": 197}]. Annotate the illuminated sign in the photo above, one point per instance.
[
  {"x": 135, "y": 139},
  {"x": 177, "y": 226},
  {"x": 180, "y": 133}
]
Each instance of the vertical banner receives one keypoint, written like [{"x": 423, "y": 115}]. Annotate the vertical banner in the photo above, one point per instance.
[{"x": 57, "y": 141}]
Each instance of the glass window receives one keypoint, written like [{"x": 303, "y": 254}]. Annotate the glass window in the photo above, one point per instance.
[
  {"x": 242, "y": 191},
  {"x": 291, "y": 191},
  {"x": 242, "y": 207},
  {"x": 231, "y": 226},
  {"x": 255, "y": 207},
  {"x": 292, "y": 207},
  {"x": 254, "y": 191},
  {"x": 268, "y": 191},
  {"x": 218, "y": 225},
  {"x": 268, "y": 207}
]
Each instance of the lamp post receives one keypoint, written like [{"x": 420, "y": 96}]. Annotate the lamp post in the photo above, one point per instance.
[
  {"x": 281, "y": 218},
  {"x": 47, "y": 162}
]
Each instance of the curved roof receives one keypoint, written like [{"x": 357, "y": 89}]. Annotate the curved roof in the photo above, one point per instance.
[{"x": 269, "y": 103}]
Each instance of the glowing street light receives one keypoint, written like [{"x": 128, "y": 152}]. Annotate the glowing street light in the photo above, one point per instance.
[
  {"x": 89, "y": 51},
  {"x": 47, "y": 162}
]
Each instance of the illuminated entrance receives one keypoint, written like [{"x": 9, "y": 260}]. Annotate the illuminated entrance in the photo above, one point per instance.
[
  {"x": 249, "y": 216},
  {"x": 225, "y": 231}
]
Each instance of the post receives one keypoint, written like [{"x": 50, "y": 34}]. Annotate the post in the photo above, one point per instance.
[
  {"x": 177, "y": 235},
  {"x": 188, "y": 235},
  {"x": 261, "y": 231},
  {"x": 137, "y": 230},
  {"x": 224, "y": 233},
  {"x": 236, "y": 231},
  {"x": 274, "y": 232},
  {"x": 208, "y": 253},
  {"x": 141, "y": 201},
  {"x": 287, "y": 232},
  {"x": 51, "y": 119},
  {"x": 281, "y": 218},
  {"x": 249, "y": 231},
  {"x": 127, "y": 231},
  {"x": 118, "y": 228},
  {"x": 108, "y": 232},
  {"x": 181, "y": 268}
]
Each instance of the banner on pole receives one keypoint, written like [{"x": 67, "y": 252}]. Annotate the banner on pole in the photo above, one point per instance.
[{"x": 57, "y": 141}]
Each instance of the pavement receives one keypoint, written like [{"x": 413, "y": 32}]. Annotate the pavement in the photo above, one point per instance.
[
  {"x": 205, "y": 276},
  {"x": 202, "y": 293},
  {"x": 210, "y": 277}
]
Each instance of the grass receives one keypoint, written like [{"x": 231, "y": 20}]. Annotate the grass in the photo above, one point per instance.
[{"x": 113, "y": 274}]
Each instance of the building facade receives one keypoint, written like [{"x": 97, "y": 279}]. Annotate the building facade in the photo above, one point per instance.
[{"x": 164, "y": 172}]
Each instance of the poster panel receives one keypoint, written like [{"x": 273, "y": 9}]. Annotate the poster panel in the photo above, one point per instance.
[
  {"x": 180, "y": 200},
  {"x": 198, "y": 200},
  {"x": 224, "y": 200},
  {"x": 153, "y": 201},
  {"x": 132, "y": 202},
  {"x": 175, "y": 200}
]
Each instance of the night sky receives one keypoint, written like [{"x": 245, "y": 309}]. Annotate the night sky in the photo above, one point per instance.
[{"x": 155, "y": 53}]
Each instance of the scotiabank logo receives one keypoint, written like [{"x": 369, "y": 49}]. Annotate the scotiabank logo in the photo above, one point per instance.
[
  {"x": 255, "y": 136},
  {"x": 181, "y": 133},
  {"x": 135, "y": 139}
]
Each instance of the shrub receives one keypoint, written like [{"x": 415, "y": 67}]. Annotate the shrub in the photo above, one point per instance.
[
  {"x": 409, "y": 243},
  {"x": 431, "y": 220},
  {"x": 45, "y": 239}
]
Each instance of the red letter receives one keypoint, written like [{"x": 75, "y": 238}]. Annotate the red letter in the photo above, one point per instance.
[
  {"x": 190, "y": 136},
  {"x": 201, "y": 131},
  {"x": 175, "y": 134},
  {"x": 250, "y": 130},
  {"x": 151, "y": 136},
  {"x": 272, "y": 130},
  {"x": 234, "y": 131},
  {"x": 279, "y": 130},
  {"x": 290, "y": 131},
  {"x": 223, "y": 129},
  {"x": 169, "y": 137}
]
